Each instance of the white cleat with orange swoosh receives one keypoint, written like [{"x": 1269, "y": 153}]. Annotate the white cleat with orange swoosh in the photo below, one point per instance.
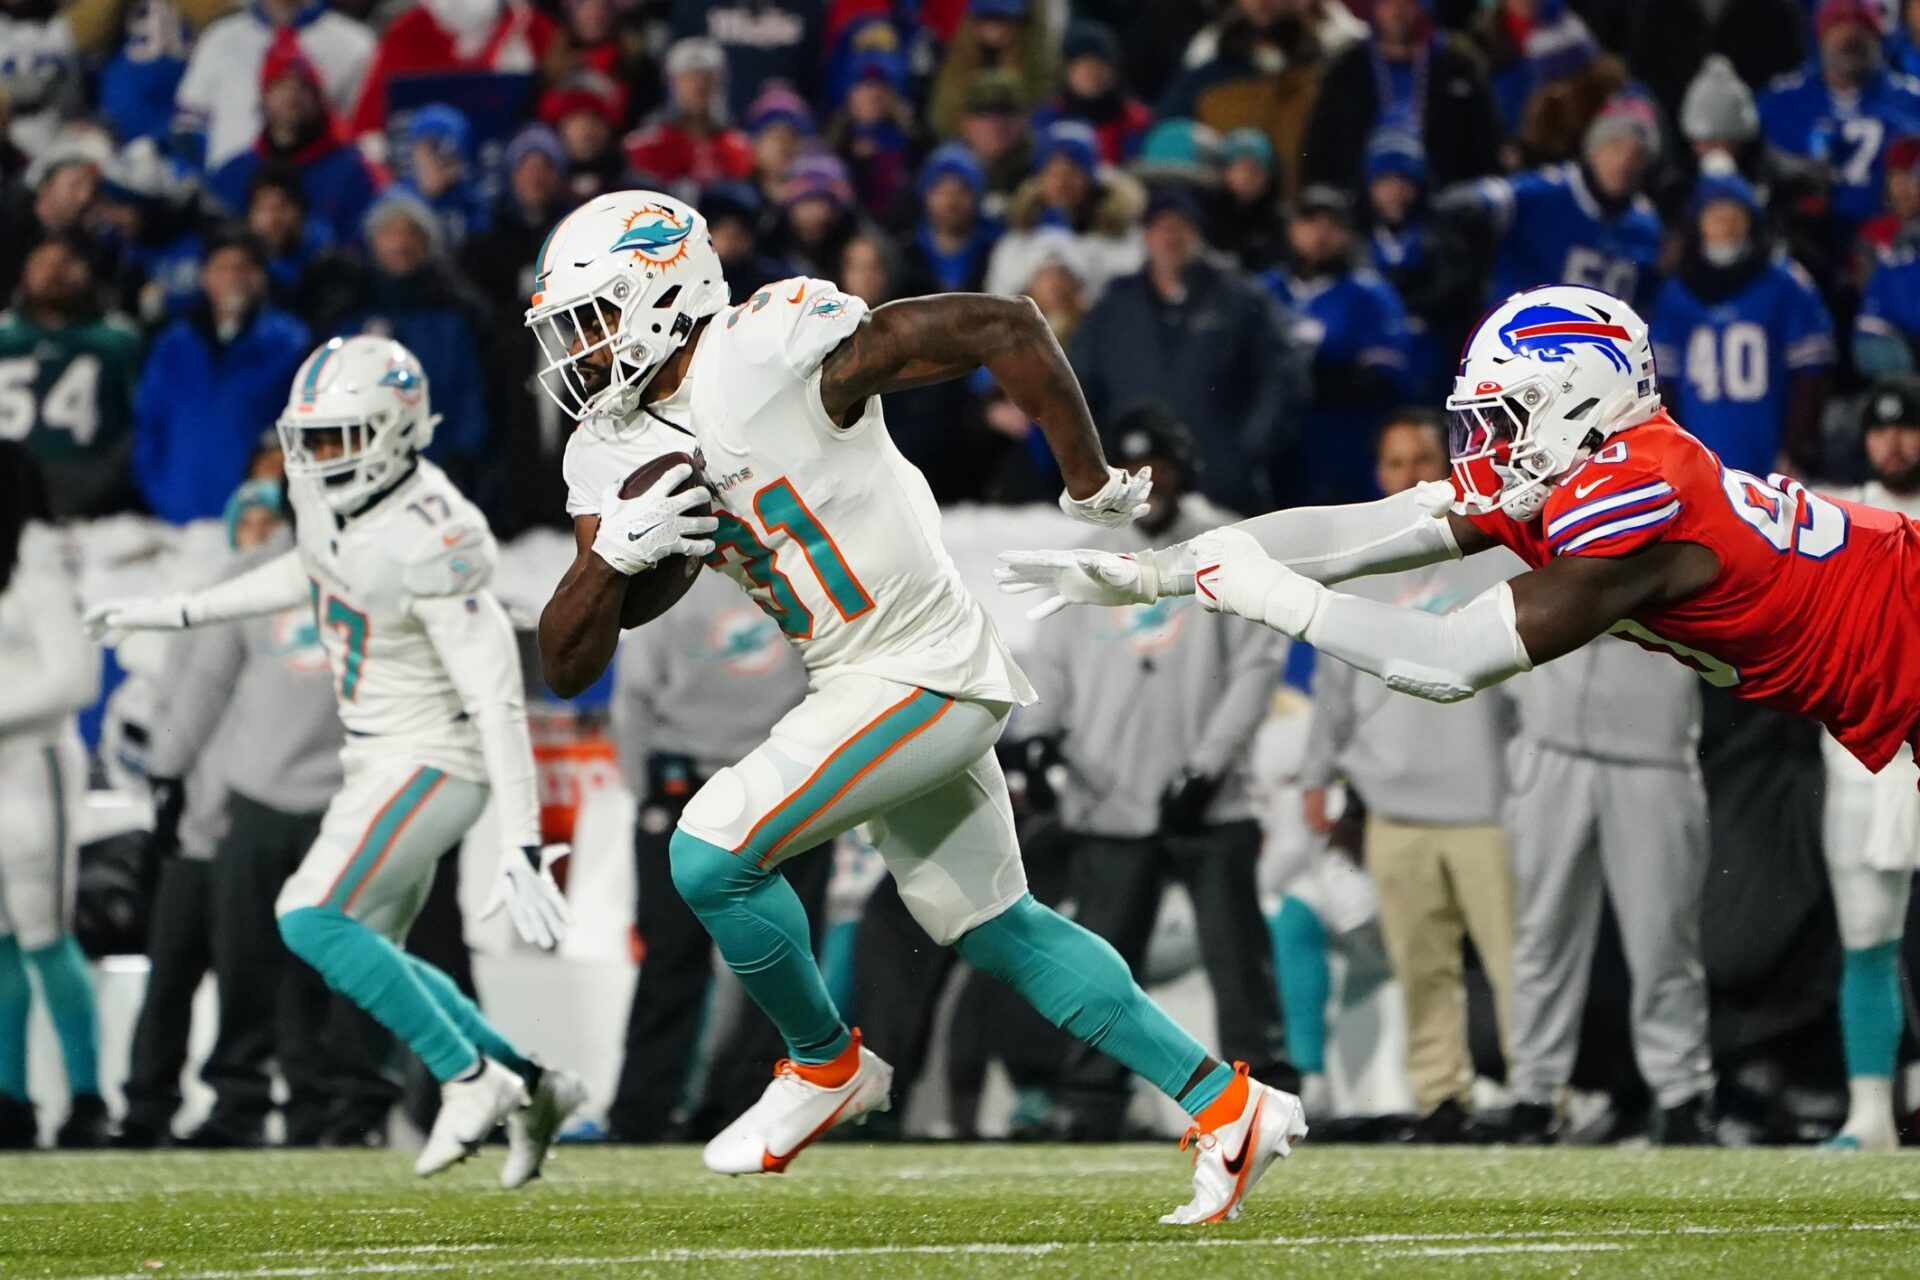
[
  {"x": 795, "y": 1110},
  {"x": 1256, "y": 1125}
]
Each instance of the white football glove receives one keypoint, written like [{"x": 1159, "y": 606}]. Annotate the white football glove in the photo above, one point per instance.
[
  {"x": 1074, "y": 577},
  {"x": 638, "y": 533},
  {"x": 527, "y": 891},
  {"x": 1233, "y": 574},
  {"x": 109, "y": 621},
  {"x": 1121, "y": 500}
]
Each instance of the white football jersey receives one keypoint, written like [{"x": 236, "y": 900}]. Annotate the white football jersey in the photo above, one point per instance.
[
  {"x": 832, "y": 532},
  {"x": 422, "y": 541}
]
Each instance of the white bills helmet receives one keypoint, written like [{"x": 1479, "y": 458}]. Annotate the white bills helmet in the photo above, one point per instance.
[
  {"x": 1549, "y": 374},
  {"x": 356, "y": 420},
  {"x": 627, "y": 274}
]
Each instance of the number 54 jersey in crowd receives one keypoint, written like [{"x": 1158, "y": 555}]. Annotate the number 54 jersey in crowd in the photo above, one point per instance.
[
  {"x": 423, "y": 540},
  {"x": 832, "y": 532},
  {"x": 1816, "y": 609}
]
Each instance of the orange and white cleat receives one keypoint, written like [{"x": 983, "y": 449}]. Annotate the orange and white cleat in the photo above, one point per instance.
[
  {"x": 1234, "y": 1140},
  {"x": 803, "y": 1102}
]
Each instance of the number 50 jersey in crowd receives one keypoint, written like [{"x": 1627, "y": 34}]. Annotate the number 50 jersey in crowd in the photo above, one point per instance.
[
  {"x": 832, "y": 532},
  {"x": 1816, "y": 609},
  {"x": 422, "y": 541}
]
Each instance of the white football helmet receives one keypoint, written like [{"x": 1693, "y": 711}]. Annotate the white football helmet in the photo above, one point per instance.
[
  {"x": 1549, "y": 374},
  {"x": 628, "y": 273},
  {"x": 356, "y": 420}
]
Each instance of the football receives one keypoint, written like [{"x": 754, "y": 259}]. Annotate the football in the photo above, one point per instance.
[{"x": 652, "y": 593}]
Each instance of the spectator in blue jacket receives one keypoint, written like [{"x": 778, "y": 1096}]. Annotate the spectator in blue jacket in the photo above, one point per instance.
[
  {"x": 299, "y": 128},
  {"x": 214, "y": 379},
  {"x": 437, "y": 169},
  {"x": 409, "y": 290},
  {"x": 1352, "y": 328},
  {"x": 952, "y": 243}
]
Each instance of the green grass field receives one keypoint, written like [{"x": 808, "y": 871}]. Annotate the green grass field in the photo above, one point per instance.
[{"x": 948, "y": 1210}]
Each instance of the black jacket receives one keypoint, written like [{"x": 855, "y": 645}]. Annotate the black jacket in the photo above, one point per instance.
[{"x": 1462, "y": 124}]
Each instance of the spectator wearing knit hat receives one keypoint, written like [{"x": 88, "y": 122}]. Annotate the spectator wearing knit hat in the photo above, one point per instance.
[
  {"x": 954, "y": 236},
  {"x": 1580, "y": 223},
  {"x": 1845, "y": 109},
  {"x": 217, "y": 107},
  {"x": 689, "y": 140},
  {"x": 299, "y": 129},
  {"x": 1183, "y": 153},
  {"x": 1407, "y": 78},
  {"x": 993, "y": 125},
  {"x": 1243, "y": 216},
  {"x": 1072, "y": 190},
  {"x": 586, "y": 111},
  {"x": 873, "y": 132},
  {"x": 1902, "y": 204},
  {"x": 1425, "y": 259},
  {"x": 1742, "y": 340},
  {"x": 1092, "y": 91},
  {"x": 817, "y": 215},
  {"x": 436, "y": 167},
  {"x": 780, "y": 125},
  {"x": 303, "y": 266},
  {"x": 1718, "y": 116},
  {"x": 1007, "y": 36},
  {"x": 436, "y": 37}
]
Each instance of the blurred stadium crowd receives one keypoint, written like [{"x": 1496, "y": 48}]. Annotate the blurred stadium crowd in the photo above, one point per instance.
[{"x": 1261, "y": 229}]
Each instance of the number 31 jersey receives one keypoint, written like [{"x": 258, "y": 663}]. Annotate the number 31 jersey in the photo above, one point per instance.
[
  {"x": 831, "y": 531},
  {"x": 1816, "y": 609}
]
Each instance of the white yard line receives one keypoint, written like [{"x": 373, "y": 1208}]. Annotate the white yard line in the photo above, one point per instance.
[{"x": 1422, "y": 1244}]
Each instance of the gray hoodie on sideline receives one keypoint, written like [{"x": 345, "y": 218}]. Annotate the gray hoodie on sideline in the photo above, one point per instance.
[
  {"x": 707, "y": 681},
  {"x": 1140, "y": 695},
  {"x": 1413, "y": 760},
  {"x": 1614, "y": 701},
  {"x": 252, "y": 710}
]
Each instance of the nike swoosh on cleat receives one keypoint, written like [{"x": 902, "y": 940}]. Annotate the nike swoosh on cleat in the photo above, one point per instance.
[
  {"x": 1238, "y": 1166},
  {"x": 771, "y": 1163}
]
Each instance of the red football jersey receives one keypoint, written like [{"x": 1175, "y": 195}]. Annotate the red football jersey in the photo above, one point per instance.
[{"x": 1816, "y": 609}]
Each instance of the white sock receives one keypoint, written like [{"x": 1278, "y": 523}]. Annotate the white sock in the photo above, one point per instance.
[{"x": 1869, "y": 1105}]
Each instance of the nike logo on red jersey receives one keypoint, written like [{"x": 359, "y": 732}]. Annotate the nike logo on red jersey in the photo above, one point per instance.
[{"x": 1585, "y": 489}]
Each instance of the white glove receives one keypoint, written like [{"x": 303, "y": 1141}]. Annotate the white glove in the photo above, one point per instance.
[
  {"x": 1121, "y": 500},
  {"x": 532, "y": 900},
  {"x": 109, "y": 622},
  {"x": 1074, "y": 577},
  {"x": 638, "y": 533},
  {"x": 1233, "y": 574},
  {"x": 1437, "y": 496}
]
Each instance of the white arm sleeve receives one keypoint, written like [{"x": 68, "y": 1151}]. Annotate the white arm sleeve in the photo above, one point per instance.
[
  {"x": 1332, "y": 544},
  {"x": 475, "y": 640},
  {"x": 278, "y": 584},
  {"x": 1443, "y": 657}
]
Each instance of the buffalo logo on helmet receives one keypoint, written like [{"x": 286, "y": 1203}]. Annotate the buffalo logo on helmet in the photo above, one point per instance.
[
  {"x": 655, "y": 234},
  {"x": 1551, "y": 333}
]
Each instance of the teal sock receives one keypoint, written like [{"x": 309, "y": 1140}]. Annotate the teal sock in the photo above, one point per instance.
[
  {"x": 467, "y": 1016},
  {"x": 1210, "y": 1087},
  {"x": 1870, "y": 1014},
  {"x": 1300, "y": 954},
  {"x": 69, "y": 995},
  {"x": 1079, "y": 983},
  {"x": 760, "y": 926},
  {"x": 16, "y": 999},
  {"x": 373, "y": 973}
]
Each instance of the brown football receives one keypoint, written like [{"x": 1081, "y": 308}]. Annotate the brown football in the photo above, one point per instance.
[{"x": 652, "y": 593}]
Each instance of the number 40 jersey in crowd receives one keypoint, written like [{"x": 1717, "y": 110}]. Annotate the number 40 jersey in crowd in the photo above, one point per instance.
[
  {"x": 830, "y": 530},
  {"x": 1816, "y": 609}
]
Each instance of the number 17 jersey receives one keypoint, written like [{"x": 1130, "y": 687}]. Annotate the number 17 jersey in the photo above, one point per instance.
[
  {"x": 1816, "y": 608},
  {"x": 831, "y": 531}
]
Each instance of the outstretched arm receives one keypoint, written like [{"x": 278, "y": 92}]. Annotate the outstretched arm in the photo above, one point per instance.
[
  {"x": 1535, "y": 618},
  {"x": 278, "y": 584},
  {"x": 918, "y": 341}
]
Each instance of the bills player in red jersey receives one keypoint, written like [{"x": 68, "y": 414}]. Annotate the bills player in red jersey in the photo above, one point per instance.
[{"x": 1562, "y": 452}]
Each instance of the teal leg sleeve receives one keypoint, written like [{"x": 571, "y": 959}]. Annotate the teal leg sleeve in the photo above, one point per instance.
[
  {"x": 69, "y": 995},
  {"x": 467, "y": 1016},
  {"x": 1870, "y": 1014},
  {"x": 760, "y": 926},
  {"x": 836, "y": 963},
  {"x": 373, "y": 973},
  {"x": 1300, "y": 954},
  {"x": 16, "y": 999},
  {"x": 1079, "y": 983}
]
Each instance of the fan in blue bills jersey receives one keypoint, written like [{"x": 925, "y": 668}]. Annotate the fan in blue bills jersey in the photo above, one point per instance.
[
  {"x": 1742, "y": 340},
  {"x": 1889, "y": 322},
  {"x": 1846, "y": 107},
  {"x": 1585, "y": 222}
]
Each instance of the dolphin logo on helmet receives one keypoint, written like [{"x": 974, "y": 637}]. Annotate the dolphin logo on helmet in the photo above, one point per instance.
[
  {"x": 661, "y": 242},
  {"x": 1551, "y": 332}
]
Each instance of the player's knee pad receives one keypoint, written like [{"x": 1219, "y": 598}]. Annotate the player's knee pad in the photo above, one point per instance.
[{"x": 706, "y": 875}]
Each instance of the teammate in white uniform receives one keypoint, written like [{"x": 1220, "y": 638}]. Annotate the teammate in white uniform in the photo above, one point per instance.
[
  {"x": 836, "y": 536},
  {"x": 1872, "y": 827},
  {"x": 396, "y": 562},
  {"x": 50, "y": 675}
]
